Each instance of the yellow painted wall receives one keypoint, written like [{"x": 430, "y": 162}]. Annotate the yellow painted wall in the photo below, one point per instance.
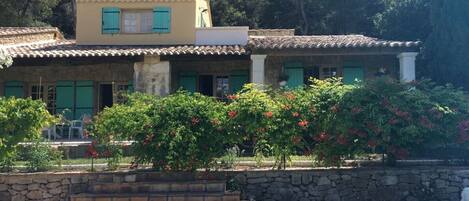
[
  {"x": 205, "y": 16},
  {"x": 182, "y": 28}
]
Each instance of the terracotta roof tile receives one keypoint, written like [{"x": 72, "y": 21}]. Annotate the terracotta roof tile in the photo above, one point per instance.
[
  {"x": 8, "y": 31},
  {"x": 68, "y": 48},
  {"x": 325, "y": 41}
]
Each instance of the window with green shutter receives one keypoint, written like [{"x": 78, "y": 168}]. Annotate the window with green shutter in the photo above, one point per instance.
[
  {"x": 295, "y": 73},
  {"x": 162, "y": 20},
  {"x": 14, "y": 89},
  {"x": 237, "y": 80},
  {"x": 65, "y": 95},
  {"x": 111, "y": 20},
  {"x": 353, "y": 75},
  {"x": 84, "y": 99},
  {"x": 188, "y": 82}
]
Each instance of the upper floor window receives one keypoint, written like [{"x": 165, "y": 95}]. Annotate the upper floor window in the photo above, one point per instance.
[
  {"x": 137, "y": 21},
  {"x": 115, "y": 20}
]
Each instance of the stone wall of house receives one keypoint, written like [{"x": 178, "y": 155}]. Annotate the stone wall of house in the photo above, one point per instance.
[{"x": 396, "y": 184}]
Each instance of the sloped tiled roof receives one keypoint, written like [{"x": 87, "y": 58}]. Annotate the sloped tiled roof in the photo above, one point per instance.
[
  {"x": 324, "y": 41},
  {"x": 58, "y": 47},
  {"x": 4, "y": 31},
  {"x": 68, "y": 48}
]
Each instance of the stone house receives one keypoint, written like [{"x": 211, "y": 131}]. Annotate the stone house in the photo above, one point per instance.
[{"x": 160, "y": 46}]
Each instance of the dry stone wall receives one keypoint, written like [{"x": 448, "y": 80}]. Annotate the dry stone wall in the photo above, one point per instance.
[{"x": 367, "y": 184}]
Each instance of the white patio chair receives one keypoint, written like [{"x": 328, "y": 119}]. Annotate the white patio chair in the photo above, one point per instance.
[
  {"x": 50, "y": 132},
  {"x": 76, "y": 125}
]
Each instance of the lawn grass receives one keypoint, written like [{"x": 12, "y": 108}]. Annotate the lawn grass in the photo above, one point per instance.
[{"x": 128, "y": 160}]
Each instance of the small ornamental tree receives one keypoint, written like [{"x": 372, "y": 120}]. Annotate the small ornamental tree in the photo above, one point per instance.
[
  {"x": 250, "y": 117},
  {"x": 186, "y": 133},
  {"x": 20, "y": 120},
  {"x": 292, "y": 122},
  {"x": 321, "y": 105}
]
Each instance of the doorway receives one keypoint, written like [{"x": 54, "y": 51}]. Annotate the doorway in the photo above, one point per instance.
[
  {"x": 206, "y": 85},
  {"x": 105, "y": 96}
]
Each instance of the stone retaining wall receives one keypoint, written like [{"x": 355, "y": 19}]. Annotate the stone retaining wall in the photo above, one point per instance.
[{"x": 403, "y": 184}]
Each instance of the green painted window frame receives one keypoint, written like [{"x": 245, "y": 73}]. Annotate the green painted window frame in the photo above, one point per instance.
[
  {"x": 237, "y": 80},
  {"x": 162, "y": 20},
  {"x": 353, "y": 74},
  {"x": 295, "y": 72},
  {"x": 13, "y": 89},
  {"x": 188, "y": 81},
  {"x": 111, "y": 20}
]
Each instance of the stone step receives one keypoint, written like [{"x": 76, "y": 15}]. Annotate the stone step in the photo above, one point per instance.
[
  {"x": 227, "y": 196},
  {"x": 159, "y": 187}
]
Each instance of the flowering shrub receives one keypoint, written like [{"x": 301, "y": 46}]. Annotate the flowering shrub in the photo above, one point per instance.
[
  {"x": 186, "y": 133},
  {"x": 388, "y": 117},
  {"x": 250, "y": 117},
  {"x": 20, "y": 120},
  {"x": 321, "y": 104}
]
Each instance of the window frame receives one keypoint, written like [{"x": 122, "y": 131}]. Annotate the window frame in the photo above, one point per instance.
[
  {"x": 322, "y": 75},
  {"x": 51, "y": 104},
  {"x": 140, "y": 13}
]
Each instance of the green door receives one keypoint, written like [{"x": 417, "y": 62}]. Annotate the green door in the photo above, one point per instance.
[
  {"x": 84, "y": 99},
  {"x": 238, "y": 80},
  {"x": 353, "y": 75},
  {"x": 65, "y": 95},
  {"x": 188, "y": 82},
  {"x": 295, "y": 73},
  {"x": 14, "y": 89}
]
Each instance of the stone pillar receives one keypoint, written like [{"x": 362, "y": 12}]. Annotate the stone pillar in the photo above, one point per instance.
[
  {"x": 407, "y": 66},
  {"x": 152, "y": 76},
  {"x": 258, "y": 69}
]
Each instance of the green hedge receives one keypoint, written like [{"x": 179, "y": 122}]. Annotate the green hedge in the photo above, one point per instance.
[
  {"x": 20, "y": 120},
  {"x": 327, "y": 120}
]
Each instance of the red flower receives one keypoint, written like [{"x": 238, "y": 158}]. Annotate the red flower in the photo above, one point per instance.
[
  {"x": 261, "y": 130},
  {"x": 322, "y": 137},
  {"x": 372, "y": 143},
  {"x": 296, "y": 140},
  {"x": 342, "y": 140},
  {"x": 425, "y": 122},
  {"x": 268, "y": 114},
  {"x": 232, "y": 114},
  {"x": 91, "y": 151},
  {"x": 303, "y": 123},
  {"x": 356, "y": 110},
  {"x": 393, "y": 121},
  {"x": 195, "y": 121},
  {"x": 290, "y": 96},
  {"x": 232, "y": 97},
  {"x": 295, "y": 114},
  {"x": 148, "y": 139},
  {"x": 335, "y": 108}
]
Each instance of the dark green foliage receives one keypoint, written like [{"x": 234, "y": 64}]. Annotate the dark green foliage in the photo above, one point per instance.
[
  {"x": 446, "y": 48},
  {"x": 404, "y": 20}
]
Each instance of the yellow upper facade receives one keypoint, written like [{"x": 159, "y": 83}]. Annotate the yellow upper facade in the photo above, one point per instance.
[{"x": 141, "y": 22}]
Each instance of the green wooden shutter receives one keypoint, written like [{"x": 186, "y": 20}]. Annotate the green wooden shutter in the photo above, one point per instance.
[
  {"x": 84, "y": 99},
  {"x": 111, "y": 20},
  {"x": 65, "y": 94},
  {"x": 353, "y": 74},
  {"x": 14, "y": 89},
  {"x": 295, "y": 72},
  {"x": 188, "y": 82},
  {"x": 162, "y": 20},
  {"x": 238, "y": 80},
  {"x": 130, "y": 85}
]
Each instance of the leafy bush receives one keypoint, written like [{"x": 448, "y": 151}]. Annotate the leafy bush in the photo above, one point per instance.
[
  {"x": 40, "y": 156},
  {"x": 251, "y": 117},
  {"x": 124, "y": 121},
  {"x": 186, "y": 133},
  {"x": 392, "y": 118},
  {"x": 20, "y": 120}
]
